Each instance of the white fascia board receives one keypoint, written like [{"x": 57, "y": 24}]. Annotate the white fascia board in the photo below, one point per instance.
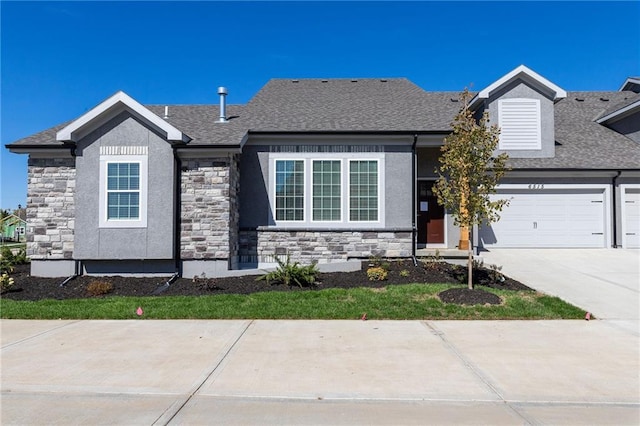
[
  {"x": 526, "y": 74},
  {"x": 629, "y": 81},
  {"x": 67, "y": 134},
  {"x": 621, "y": 113}
]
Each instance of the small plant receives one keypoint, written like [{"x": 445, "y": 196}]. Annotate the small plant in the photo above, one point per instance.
[
  {"x": 375, "y": 261},
  {"x": 404, "y": 273},
  {"x": 385, "y": 265},
  {"x": 99, "y": 288},
  {"x": 377, "y": 273},
  {"x": 289, "y": 273},
  {"x": 6, "y": 282},
  {"x": 8, "y": 260},
  {"x": 433, "y": 260},
  {"x": 495, "y": 273}
]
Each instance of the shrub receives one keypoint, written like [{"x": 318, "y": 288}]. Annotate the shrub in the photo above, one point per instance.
[
  {"x": 99, "y": 288},
  {"x": 404, "y": 273},
  {"x": 289, "y": 273},
  {"x": 377, "y": 273},
  {"x": 6, "y": 282},
  {"x": 8, "y": 260}
]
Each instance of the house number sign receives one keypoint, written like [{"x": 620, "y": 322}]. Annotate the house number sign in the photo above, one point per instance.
[{"x": 536, "y": 186}]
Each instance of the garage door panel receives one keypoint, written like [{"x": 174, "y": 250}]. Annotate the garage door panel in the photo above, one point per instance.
[
  {"x": 632, "y": 218},
  {"x": 557, "y": 218}
]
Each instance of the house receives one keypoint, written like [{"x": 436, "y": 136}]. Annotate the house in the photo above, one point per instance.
[
  {"x": 13, "y": 228},
  {"x": 329, "y": 170}
]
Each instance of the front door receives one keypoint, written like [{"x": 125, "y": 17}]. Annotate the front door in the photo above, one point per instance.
[{"x": 430, "y": 215}]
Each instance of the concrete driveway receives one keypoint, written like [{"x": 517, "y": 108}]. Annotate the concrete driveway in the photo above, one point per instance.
[{"x": 605, "y": 282}]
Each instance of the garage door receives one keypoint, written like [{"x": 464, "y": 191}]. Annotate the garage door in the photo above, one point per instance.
[
  {"x": 632, "y": 218},
  {"x": 548, "y": 218}
]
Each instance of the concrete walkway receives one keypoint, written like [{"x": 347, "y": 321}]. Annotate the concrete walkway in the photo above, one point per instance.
[{"x": 318, "y": 372}]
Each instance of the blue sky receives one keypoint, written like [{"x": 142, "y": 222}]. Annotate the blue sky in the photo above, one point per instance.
[{"x": 59, "y": 59}]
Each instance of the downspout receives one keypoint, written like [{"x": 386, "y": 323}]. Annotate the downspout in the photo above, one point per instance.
[
  {"x": 414, "y": 229},
  {"x": 614, "y": 210},
  {"x": 177, "y": 213},
  {"x": 77, "y": 267}
]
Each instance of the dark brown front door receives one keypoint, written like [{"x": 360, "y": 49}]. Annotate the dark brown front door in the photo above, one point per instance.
[{"x": 430, "y": 216}]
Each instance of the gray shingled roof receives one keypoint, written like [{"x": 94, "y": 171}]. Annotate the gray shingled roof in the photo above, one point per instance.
[
  {"x": 616, "y": 106},
  {"x": 585, "y": 144},
  {"x": 393, "y": 105}
]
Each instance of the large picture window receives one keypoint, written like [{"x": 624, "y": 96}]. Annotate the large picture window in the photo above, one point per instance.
[{"x": 330, "y": 191}]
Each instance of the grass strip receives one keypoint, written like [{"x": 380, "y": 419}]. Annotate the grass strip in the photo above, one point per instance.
[{"x": 395, "y": 302}]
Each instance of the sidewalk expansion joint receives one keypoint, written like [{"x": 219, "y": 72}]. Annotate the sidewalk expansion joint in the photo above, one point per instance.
[
  {"x": 475, "y": 370},
  {"x": 197, "y": 388},
  {"x": 26, "y": 339}
]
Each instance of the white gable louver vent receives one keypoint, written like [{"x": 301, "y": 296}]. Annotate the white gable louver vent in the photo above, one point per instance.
[{"x": 519, "y": 121}]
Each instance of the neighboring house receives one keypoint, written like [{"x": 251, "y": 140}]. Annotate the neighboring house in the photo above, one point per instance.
[
  {"x": 322, "y": 169},
  {"x": 13, "y": 228}
]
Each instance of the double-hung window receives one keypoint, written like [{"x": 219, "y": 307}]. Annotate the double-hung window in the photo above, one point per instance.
[
  {"x": 329, "y": 191},
  {"x": 123, "y": 191}
]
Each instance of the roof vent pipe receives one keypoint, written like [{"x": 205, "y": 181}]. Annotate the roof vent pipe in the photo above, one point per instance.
[{"x": 222, "y": 91}]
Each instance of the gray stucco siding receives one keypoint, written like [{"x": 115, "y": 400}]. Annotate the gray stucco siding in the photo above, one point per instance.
[
  {"x": 628, "y": 126},
  {"x": 547, "y": 119},
  {"x": 155, "y": 241}
]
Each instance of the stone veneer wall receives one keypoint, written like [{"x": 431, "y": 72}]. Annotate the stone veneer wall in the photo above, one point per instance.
[
  {"x": 50, "y": 208},
  {"x": 209, "y": 214},
  {"x": 323, "y": 246}
]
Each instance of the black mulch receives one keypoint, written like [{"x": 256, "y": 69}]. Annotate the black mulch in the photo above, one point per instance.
[{"x": 27, "y": 287}]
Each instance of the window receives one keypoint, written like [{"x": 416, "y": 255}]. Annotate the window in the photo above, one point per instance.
[
  {"x": 330, "y": 191},
  {"x": 327, "y": 185},
  {"x": 123, "y": 191},
  {"x": 519, "y": 121},
  {"x": 363, "y": 190},
  {"x": 290, "y": 190}
]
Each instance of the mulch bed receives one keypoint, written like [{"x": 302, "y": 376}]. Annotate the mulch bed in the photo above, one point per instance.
[{"x": 27, "y": 287}]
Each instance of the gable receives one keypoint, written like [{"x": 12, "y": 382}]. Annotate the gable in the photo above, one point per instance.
[{"x": 110, "y": 108}]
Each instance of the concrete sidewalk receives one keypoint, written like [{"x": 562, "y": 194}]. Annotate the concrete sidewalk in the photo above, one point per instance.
[{"x": 318, "y": 372}]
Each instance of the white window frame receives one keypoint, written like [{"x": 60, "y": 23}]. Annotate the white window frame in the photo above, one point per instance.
[
  {"x": 509, "y": 145},
  {"x": 345, "y": 159},
  {"x": 141, "y": 222}
]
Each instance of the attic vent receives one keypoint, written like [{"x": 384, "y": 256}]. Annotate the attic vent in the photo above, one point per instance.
[
  {"x": 324, "y": 81},
  {"x": 295, "y": 81},
  {"x": 354, "y": 80},
  {"x": 383, "y": 80},
  {"x": 454, "y": 100},
  {"x": 580, "y": 99},
  {"x": 519, "y": 121},
  {"x": 604, "y": 99}
]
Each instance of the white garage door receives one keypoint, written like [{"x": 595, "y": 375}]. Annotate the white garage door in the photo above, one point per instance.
[
  {"x": 632, "y": 218},
  {"x": 548, "y": 218}
]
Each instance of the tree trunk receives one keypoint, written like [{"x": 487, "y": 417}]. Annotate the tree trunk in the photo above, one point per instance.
[{"x": 470, "y": 270}]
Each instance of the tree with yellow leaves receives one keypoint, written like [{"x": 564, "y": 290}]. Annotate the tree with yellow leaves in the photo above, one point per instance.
[{"x": 469, "y": 172}]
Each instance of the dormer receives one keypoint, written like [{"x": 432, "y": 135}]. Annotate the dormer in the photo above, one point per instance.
[{"x": 522, "y": 104}]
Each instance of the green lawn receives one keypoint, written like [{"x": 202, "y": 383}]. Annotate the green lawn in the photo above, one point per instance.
[{"x": 397, "y": 302}]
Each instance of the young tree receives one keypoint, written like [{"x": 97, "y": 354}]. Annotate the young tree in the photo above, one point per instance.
[{"x": 469, "y": 172}]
